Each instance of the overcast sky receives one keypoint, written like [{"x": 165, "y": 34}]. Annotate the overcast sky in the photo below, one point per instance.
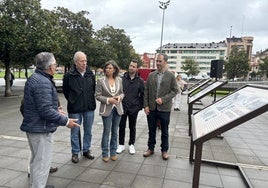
[{"x": 186, "y": 21}]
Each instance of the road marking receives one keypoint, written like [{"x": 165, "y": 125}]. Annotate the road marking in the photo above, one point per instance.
[{"x": 13, "y": 138}]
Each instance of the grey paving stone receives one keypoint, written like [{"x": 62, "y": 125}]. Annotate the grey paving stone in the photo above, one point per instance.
[
  {"x": 69, "y": 171},
  {"x": 233, "y": 181},
  {"x": 249, "y": 159},
  {"x": 127, "y": 167},
  {"x": 6, "y": 161},
  {"x": 80, "y": 184},
  {"x": 152, "y": 171},
  {"x": 229, "y": 172},
  {"x": 259, "y": 183},
  {"x": 172, "y": 183},
  {"x": 58, "y": 182},
  {"x": 210, "y": 179},
  {"x": 179, "y": 175},
  {"x": 19, "y": 165},
  {"x": 180, "y": 163},
  {"x": 8, "y": 175},
  {"x": 21, "y": 181},
  {"x": 257, "y": 174},
  {"x": 137, "y": 158},
  {"x": 147, "y": 182},
  {"x": 93, "y": 175},
  {"x": 119, "y": 179}
]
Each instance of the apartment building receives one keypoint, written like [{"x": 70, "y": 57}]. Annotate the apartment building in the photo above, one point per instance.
[
  {"x": 256, "y": 60},
  {"x": 245, "y": 43},
  {"x": 202, "y": 53}
]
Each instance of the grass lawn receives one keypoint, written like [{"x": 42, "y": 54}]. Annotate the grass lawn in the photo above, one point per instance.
[{"x": 22, "y": 75}]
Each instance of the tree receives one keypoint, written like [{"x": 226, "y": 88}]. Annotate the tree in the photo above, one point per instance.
[
  {"x": 116, "y": 44},
  {"x": 264, "y": 66},
  {"x": 13, "y": 18},
  {"x": 190, "y": 66},
  {"x": 237, "y": 64},
  {"x": 77, "y": 35},
  {"x": 25, "y": 29}
]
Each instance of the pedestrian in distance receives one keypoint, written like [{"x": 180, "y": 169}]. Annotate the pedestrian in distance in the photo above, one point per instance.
[
  {"x": 177, "y": 100},
  {"x": 133, "y": 87},
  {"x": 160, "y": 88},
  {"x": 11, "y": 78},
  {"x": 41, "y": 117},
  {"x": 79, "y": 90},
  {"x": 109, "y": 92}
]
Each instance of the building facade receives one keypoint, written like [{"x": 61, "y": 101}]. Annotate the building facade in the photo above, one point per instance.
[
  {"x": 202, "y": 53},
  {"x": 148, "y": 60},
  {"x": 245, "y": 43}
]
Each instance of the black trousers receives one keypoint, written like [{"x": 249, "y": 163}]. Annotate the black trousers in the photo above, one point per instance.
[
  {"x": 164, "y": 118},
  {"x": 132, "y": 119}
]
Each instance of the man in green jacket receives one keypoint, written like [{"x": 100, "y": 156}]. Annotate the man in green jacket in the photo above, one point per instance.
[{"x": 160, "y": 88}]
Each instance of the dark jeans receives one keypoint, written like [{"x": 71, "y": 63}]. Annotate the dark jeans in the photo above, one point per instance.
[
  {"x": 132, "y": 119},
  {"x": 164, "y": 118}
]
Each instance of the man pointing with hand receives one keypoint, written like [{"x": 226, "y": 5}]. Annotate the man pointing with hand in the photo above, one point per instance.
[{"x": 42, "y": 117}]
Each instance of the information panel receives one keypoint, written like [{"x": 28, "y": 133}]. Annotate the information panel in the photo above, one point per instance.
[
  {"x": 228, "y": 109},
  {"x": 198, "y": 85},
  {"x": 206, "y": 90}
]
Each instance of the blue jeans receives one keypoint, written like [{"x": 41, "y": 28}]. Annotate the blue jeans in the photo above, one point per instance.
[
  {"x": 164, "y": 118},
  {"x": 110, "y": 124},
  {"x": 88, "y": 118}
]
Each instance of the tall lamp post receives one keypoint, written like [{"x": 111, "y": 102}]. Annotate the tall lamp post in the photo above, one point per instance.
[{"x": 163, "y": 6}]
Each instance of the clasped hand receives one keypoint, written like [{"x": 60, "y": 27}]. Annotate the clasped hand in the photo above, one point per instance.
[{"x": 115, "y": 99}]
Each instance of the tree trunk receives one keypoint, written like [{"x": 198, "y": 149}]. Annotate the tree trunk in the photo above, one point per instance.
[
  {"x": 8, "y": 91},
  {"x": 6, "y": 58}
]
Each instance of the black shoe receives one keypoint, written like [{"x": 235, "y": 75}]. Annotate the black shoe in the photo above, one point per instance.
[
  {"x": 75, "y": 158},
  {"x": 176, "y": 109},
  {"x": 49, "y": 186},
  {"x": 88, "y": 155},
  {"x": 53, "y": 169}
]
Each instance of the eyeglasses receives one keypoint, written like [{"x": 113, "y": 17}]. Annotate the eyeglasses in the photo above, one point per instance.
[
  {"x": 82, "y": 61},
  {"x": 158, "y": 60},
  {"x": 56, "y": 64}
]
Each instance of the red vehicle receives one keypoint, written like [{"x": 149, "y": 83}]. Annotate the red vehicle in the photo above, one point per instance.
[{"x": 144, "y": 72}]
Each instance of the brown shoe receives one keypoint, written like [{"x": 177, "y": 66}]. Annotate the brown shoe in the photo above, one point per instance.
[
  {"x": 105, "y": 159},
  {"x": 165, "y": 155},
  {"x": 148, "y": 153},
  {"x": 114, "y": 158}
]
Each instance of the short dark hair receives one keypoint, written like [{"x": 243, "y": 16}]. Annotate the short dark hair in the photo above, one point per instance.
[
  {"x": 164, "y": 56},
  {"x": 114, "y": 64},
  {"x": 136, "y": 61}
]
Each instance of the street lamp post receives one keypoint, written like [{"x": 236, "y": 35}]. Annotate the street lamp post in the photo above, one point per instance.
[{"x": 163, "y": 6}]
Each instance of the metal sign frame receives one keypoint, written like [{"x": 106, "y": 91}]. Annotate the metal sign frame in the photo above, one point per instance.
[{"x": 245, "y": 103}]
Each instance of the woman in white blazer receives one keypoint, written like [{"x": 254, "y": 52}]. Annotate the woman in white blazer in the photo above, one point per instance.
[{"x": 109, "y": 91}]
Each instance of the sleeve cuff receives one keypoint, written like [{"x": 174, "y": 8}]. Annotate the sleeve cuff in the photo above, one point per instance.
[{"x": 67, "y": 122}]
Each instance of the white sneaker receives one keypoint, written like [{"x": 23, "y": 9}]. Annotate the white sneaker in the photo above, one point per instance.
[
  {"x": 120, "y": 149},
  {"x": 131, "y": 149}
]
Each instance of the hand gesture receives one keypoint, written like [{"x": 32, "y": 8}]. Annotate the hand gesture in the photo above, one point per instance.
[{"x": 72, "y": 123}]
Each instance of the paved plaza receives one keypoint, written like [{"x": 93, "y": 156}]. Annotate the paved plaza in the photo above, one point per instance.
[{"x": 245, "y": 145}]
